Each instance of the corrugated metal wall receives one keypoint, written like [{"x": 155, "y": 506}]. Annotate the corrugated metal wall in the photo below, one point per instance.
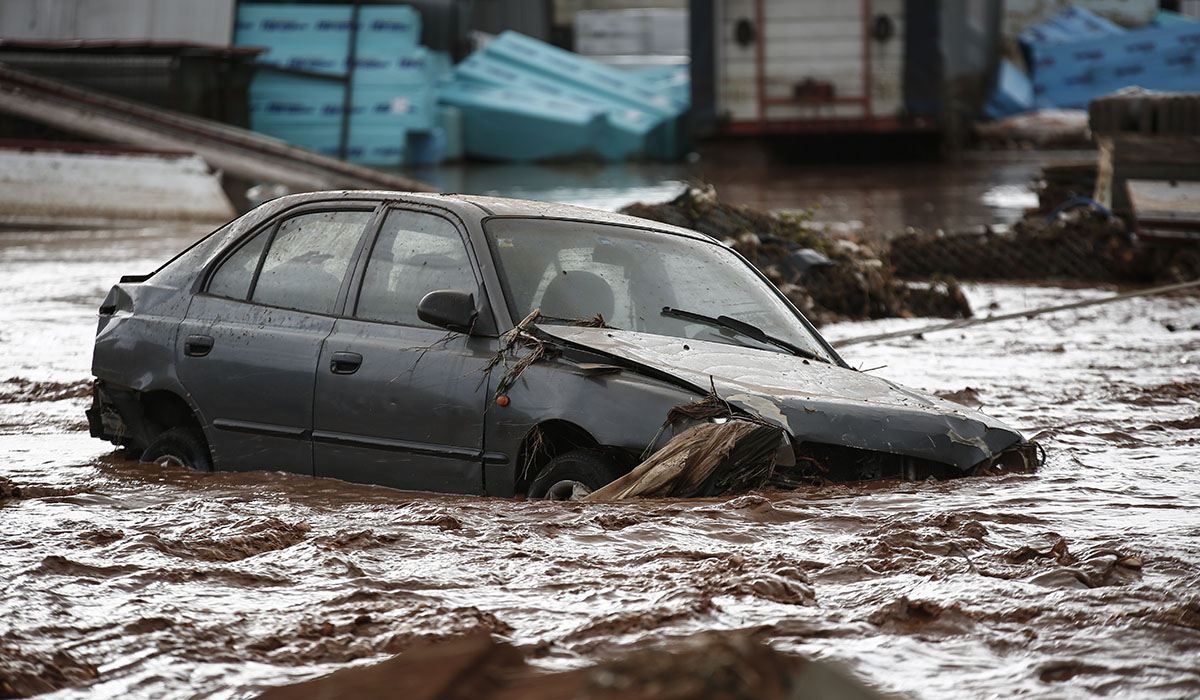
[{"x": 200, "y": 21}]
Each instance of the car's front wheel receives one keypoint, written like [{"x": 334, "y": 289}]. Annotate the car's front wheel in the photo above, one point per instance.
[
  {"x": 179, "y": 447},
  {"x": 573, "y": 475}
]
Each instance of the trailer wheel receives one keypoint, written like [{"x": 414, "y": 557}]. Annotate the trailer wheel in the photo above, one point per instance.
[
  {"x": 573, "y": 475},
  {"x": 179, "y": 447}
]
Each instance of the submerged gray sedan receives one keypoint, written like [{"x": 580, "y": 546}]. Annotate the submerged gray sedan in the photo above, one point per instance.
[{"x": 480, "y": 345}]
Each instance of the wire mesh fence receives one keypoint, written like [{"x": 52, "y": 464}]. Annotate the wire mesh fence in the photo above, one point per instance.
[{"x": 1084, "y": 245}]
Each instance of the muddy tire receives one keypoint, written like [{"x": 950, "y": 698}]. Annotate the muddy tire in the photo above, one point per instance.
[
  {"x": 573, "y": 475},
  {"x": 179, "y": 447}
]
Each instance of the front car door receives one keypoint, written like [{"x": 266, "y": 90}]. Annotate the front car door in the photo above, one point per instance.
[
  {"x": 400, "y": 402},
  {"x": 247, "y": 351}
]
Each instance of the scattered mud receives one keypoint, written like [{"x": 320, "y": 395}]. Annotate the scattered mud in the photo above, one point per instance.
[
  {"x": 853, "y": 283},
  {"x": 967, "y": 396},
  {"x": 26, "y": 391}
]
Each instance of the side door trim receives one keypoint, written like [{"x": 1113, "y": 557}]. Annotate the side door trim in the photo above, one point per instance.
[
  {"x": 407, "y": 446},
  {"x": 245, "y": 426}
]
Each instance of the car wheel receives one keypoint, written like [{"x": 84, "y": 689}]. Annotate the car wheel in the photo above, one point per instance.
[
  {"x": 179, "y": 447},
  {"x": 573, "y": 475}
]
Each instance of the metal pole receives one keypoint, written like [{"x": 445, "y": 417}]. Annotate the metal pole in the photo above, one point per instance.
[
  {"x": 1029, "y": 313},
  {"x": 348, "y": 89}
]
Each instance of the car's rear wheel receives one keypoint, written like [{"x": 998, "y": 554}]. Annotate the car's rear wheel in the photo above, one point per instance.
[
  {"x": 573, "y": 475},
  {"x": 179, "y": 447}
]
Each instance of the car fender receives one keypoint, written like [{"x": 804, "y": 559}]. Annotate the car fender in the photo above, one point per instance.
[
  {"x": 617, "y": 407},
  {"x": 135, "y": 342}
]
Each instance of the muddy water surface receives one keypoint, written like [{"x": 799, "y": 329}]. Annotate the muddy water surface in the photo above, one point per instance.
[
  {"x": 982, "y": 189},
  {"x": 136, "y": 581}
]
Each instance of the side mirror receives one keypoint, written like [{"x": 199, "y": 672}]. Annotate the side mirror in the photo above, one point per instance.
[{"x": 449, "y": 309}]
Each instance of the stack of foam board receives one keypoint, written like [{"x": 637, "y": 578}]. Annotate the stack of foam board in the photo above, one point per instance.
[
  {"x": 675, "y": 81},
  {"x": 1012, "y": 94},
  {"x": 1078, "y": 57},
  {"x": 390, "y": 80},
  {"x": 613, "y": 114}
]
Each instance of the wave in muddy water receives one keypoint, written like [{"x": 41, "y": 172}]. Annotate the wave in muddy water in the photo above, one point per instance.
[{"x": 1076, "y": 581}]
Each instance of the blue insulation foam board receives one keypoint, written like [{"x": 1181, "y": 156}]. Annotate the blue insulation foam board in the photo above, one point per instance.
[
  {"x": 388, "y": 28},
  {"x": 450, "y": 123},
  {"x": 509, "y": 125},
  {"x": 628, "y": 131},
  {"x": 283, "y": 98},
  {"x": 1069, "y": 75},
  {"x": 589, "y": 75},
  {"x": 272, "y": 25},
  {"x": 392, "y": 27},
  {"x": 1013, "y": 93},
  {"x": 377, "y": 146}
]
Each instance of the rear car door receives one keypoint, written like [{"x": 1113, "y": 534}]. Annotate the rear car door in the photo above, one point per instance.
[
  {"x": 400, "y": 402},
  {"x": 247, "y": 351}
]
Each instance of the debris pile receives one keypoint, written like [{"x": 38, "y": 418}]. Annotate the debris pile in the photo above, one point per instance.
[
  {"x": 1084, "y": 245},
  {"x": 1063, "y": 182},
  {"x": 720, "y": 451},
  {"x": 827, "y": 278},
  {"x": 706, "y": 460}
]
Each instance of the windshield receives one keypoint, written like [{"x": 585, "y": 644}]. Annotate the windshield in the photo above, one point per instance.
[{"x": 576, "y": 271}]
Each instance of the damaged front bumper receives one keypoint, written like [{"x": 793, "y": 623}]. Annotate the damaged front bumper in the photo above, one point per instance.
[
  {"x": 817, "y": 463},
  {"x": 728, "y": 455}
]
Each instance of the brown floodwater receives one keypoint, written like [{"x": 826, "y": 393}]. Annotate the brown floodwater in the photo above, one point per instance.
[
  {"x": 139, "y": 581},
  {"x": 976, "y": 190}
]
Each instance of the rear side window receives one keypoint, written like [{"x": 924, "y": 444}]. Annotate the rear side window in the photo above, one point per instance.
[
  {"x": 232, "y": 279},
  {"x": 415, "y": 254},
  {"x": 307, "y": 260}
]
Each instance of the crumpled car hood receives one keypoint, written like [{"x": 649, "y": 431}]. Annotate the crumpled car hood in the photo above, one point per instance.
[{"x": 813, "y": 401}]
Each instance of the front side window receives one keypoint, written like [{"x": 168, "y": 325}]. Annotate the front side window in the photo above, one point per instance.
[
  {"x": 307, "y": 260},
  {"x": 416, "y": 253}
]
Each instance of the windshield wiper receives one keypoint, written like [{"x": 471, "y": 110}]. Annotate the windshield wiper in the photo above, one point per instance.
[{"x": 747, "y": 329}]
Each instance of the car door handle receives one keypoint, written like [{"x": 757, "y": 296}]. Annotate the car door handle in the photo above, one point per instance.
[
  {"x": 197, "y": 345},
  {"x": 345, "y": 362}
]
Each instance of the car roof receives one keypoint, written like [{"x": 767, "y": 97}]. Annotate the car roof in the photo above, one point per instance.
[{"x": 492, "y": 206}]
